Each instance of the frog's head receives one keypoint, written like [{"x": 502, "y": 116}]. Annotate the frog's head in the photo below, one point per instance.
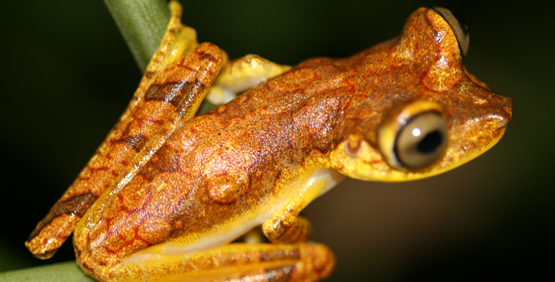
[{"x": 417, "y": 111}]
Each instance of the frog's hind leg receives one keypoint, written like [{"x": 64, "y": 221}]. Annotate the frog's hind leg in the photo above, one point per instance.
[
  {"x": 122, "y": 143},
  {"x": 236, "y": 262}
]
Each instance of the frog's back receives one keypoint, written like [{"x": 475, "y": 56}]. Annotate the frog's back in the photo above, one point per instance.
[{"x": 230, "y": 167}]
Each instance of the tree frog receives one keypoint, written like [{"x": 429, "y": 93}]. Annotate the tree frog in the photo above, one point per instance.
[{"x": 167, "y": 194}]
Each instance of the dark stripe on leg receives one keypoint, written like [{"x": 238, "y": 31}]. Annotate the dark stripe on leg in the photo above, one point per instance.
[{"x": 77, "y": 205}]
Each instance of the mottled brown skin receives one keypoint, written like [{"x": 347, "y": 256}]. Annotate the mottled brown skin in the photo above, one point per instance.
[
  {"x": 221, "y": 166},
  {"x": 155, "y": 117},
  {"x": 139, "y": 123}
]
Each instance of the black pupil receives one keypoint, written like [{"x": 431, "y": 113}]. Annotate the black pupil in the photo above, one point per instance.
[{"x": 429, "y": 143}]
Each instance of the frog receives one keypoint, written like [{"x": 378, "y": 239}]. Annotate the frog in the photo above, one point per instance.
[{"x": 170, "y": 196}]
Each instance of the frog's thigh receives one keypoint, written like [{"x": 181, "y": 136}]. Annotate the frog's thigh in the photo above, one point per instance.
[{"x": 238, "y": 262}]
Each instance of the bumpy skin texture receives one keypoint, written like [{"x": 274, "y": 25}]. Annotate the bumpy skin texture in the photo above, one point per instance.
[
  {"x": 219, "y": 171},
  {"x": 140, "y": 124}
]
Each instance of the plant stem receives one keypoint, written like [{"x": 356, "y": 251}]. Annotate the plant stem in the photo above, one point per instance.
[
  {"x": 142, "y": 24},
  {"x": 66, "y": 271}
]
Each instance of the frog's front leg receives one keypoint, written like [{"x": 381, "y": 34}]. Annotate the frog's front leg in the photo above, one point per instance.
[{"x": 284, "y": 224}]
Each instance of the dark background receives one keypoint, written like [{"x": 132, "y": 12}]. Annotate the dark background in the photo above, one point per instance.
[{"x": 66, "y": 75}]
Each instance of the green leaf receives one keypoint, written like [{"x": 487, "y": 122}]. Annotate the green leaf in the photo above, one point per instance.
[
  {"x": 65, "y": 271},
  {"x": 142, "y": 24}
]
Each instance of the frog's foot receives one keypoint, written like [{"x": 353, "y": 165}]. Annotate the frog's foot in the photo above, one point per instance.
[
  {"x": 233, "y": 262},
  {"x": 240, "y": 75},
  {"x": 293, "y": 230}
]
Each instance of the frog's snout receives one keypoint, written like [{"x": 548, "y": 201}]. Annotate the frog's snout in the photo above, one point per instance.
[
  {"x": 500, "y": 122},
  {"x": 497, "y": 112},
  {"x": 506, "y": 112}
]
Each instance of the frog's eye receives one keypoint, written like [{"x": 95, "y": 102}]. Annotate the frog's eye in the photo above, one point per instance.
[
  {"x": 457, "y": 25},
  {"x": 421, "y": 141},
  {"x": 413, "y": 136}
]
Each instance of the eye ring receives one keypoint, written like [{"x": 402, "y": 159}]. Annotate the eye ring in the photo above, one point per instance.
[
  {"x": 459, "y": 27},
  {"x": 413, "y": 136}
]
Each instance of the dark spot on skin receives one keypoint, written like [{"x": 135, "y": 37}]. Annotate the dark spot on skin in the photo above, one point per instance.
[
  {"x": 206, "y": 56},
  {"x": 171, "y": 92},
  {"x": 136, "y": 142},
  {"x": 165, "y": 160},
  {"x": 192, "y": 91},
  {"x": 77, "y": 205}
]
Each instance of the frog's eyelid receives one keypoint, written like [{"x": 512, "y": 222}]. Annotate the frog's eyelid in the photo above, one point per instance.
[{"x": 459, "y": 27}]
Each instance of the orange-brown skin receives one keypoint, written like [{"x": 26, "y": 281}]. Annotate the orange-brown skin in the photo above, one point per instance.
[
  {"x": 249, "y": 156},
  {"x": 140, "y": 123}
]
